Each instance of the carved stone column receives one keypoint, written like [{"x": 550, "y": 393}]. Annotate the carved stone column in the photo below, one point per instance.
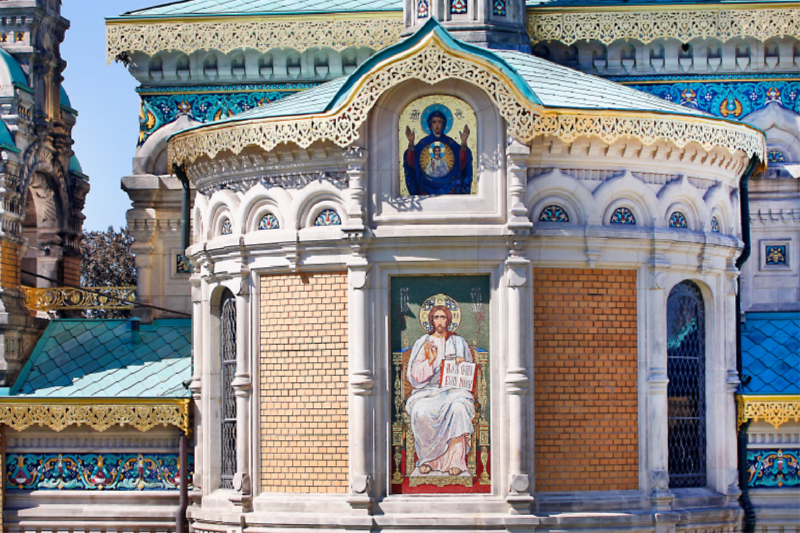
[
  {"x": 517, "y": 154},
  {"x": 517, "y": 383},
  {"x": 196, "y": 386},
  {"x": 657, "y": 380},
  {"x": 242, "y": 385}
]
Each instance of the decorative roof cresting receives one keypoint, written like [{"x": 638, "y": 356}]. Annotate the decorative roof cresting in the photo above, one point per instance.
[
  {"x": 668, "y": 22},
  {"x": 432, "y": 56}
]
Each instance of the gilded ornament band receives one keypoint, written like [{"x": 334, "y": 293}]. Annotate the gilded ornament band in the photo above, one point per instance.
[
  {"x": 261, "y": 35},
  {"x": 645, "y": 26},
  {"x": 775, "y": 410},
  {"x": 57, "y": 414},
  {"x": 52, "y": 298},
  {"x": 525, "y": 119}
]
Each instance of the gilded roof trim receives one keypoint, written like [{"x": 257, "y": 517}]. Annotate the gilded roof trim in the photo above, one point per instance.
[
  {"x": 775, "y": 410},
  {"x": 432, "y": 60},
  {"x": 646, "y": 24},
  {"x": 99, "y": 414},
  {"x": 225, "y": 34}
]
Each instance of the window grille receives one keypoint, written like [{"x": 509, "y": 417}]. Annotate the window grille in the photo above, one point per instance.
[
  {"x": 228, "y": 356},
  {"x": 686, "y": 392}
]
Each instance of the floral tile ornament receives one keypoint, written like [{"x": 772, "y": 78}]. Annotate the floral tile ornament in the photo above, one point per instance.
[
  {"x": 677, "y": 220},
  {"x": 623, "y": 215},
  {"x": 268, "y": 221},
  {"x": 553, "y": 213},
  {"x": 775, "y": 254},
  {"x": 328, "y": 217},
  {"x": 773, "y": 469}
]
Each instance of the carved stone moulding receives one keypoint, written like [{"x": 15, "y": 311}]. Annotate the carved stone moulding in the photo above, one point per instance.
[
  {"x": 259, "y": 34},
  {"x": 525, "y": 119},
  {"x": 100, "y": 414},
  {"x": 775, "y": 410},
  {"x": 647, "y": 26}
]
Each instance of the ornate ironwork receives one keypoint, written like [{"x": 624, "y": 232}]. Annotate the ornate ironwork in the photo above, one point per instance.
[
  {"x": 228, "y": 356},
  {"x": 686, "y": 392},
  {"x": 58, "y": 298},
  {"x": 775, "y": 410},
  {"x": 433, "y": 61},
  {"x": 57, "y": 414},
  {"x": 261, "y": 35},
  {"x": 646, "y": 26}
]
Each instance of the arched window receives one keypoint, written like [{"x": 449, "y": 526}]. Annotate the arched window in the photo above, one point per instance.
[
  {"x": 677, "y": 220},
  {"x": 686, "y": 392},
  {"x": 228, "y": 415}
]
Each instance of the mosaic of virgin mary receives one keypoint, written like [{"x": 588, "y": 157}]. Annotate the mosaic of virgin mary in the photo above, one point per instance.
[{"x": 437, "y": 164}]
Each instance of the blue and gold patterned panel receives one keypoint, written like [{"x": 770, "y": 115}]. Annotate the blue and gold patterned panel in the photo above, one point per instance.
[
  {"x": 773, "y": 469},
  {"x": 182, "y": 265},
  {"x": 458, "y": 7},
  {"x": 499, "y": 7},
  {"x": 775, "y": 254},
  {"x": 553, "y": 213},
  {"x": 677, "y": 220},
  {"x": 623, "y": 215},
  {"x": 776, "y": 156},
  {"x": 729, "y": 99},
  {"x": 207, "y": 103},
  {"x": 227, "y": 227},
  {"x": 91, "y": 471},
  {"x": 268, "y": 221},
  {"x": 715, "y": 225},
  {"x": 328, "y": 217},
  {"x": 422, "y": 9}
]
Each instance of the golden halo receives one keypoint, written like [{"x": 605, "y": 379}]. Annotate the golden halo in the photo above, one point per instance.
[{"x": 433, "y": 301}]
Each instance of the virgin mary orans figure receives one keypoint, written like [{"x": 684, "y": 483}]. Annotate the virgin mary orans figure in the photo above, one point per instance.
[
  {"x": 441, "y": 416},
  {"x": 451, "y": 171}
]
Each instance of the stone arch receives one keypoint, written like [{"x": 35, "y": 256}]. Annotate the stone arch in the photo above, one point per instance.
[
  {"x": 634, "y": 194},
  {"x": 562, "y": 189},
  {"x": 260, "y": 200},
  {"x": 224, "y": 203},
  {"x": 782, "y": 127},
  {"x": 151, "y": 156},
  {"x": 683, "y": 196},
  {"x": 311, "y": 201},
  {"x": 718, "y": 202}
]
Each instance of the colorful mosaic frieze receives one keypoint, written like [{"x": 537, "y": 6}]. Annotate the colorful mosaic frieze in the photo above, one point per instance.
[
  {"x": 458, "y": 7},
  {"x": 553, "y": 213},
  {"x": 227, "y": 227},
  {"x": 729, "y": 100},
  {"x": 715, "y": 225},
  {"x": 499, "y": 7},
  {"x": 328, "y": 217},
  {"x": 91, "y": 471},
  {"x": 773, "y": 469},
  {"x": 677, "y": 220},
  {"x": 268, "y": 221},
  {"x": 775, "y": 254},
  {"x": 623, "y": 215},
  {"x": 205, "y": 103}
]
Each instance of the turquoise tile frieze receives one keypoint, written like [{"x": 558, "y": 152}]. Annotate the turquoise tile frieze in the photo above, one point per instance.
[
  {"x": 163, "y": 105},
  {"x": 773, "y": 469},
  {"x": 93, "y": 471},
  {"x": 731, "y": 99}
]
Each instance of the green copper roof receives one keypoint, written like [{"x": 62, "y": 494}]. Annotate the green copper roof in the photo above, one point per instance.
[
  {"x": 6, "y": 139},
  {"x": 100, "y": 359},
  {"x": 15, "y": 71},
  {"x": 263, "y": 7},
  {"x": 541, "y": 81}
]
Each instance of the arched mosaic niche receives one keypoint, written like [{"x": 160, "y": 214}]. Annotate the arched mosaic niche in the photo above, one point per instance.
[
  {"x": 623, "y": 215},
  {"x": 327, "y": 217},
  {"x": 715, "y": 227},
  {"x": 776, "y": 156},
  {"x": 553, "y": 213},
  {"x": 677, "y": 220},
  {"x": 268, "y": 222},
  {"x": 226, "y": 228}
]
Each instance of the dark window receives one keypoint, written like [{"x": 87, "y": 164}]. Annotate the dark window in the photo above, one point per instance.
[
  {"x": 686, "y": 393},
  {"x": 228, "y": 356}
]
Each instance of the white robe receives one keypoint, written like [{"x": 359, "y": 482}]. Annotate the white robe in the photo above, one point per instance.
[{"x": 438, "y": 414}]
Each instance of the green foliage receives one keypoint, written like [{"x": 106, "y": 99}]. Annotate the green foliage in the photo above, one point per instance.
[{"x": 107, "y": 261}]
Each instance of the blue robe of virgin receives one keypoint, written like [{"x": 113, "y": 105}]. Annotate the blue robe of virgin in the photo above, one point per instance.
[{"x": 457, "y": 181}]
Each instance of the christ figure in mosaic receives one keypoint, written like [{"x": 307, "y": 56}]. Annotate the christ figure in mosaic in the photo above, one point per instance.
[
  {"x": 437, "y": 164},
  {"x": 441, "y": 415}
]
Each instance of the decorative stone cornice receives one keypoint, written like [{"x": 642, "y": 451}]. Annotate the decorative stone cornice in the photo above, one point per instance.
[
  {"x": 775, "y": 410},
  {"x": 101, "y": 414},
  {"x": 261, "y": 34},
  {"x": 433, "y": 61},
  {"x": 607, "y": 26}
]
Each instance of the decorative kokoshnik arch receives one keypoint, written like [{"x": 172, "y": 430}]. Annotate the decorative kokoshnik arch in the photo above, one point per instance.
[{"x": 433, "y": 60}]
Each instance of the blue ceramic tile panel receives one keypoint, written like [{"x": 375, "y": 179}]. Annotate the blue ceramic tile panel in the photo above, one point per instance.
[
  {"x": 98, "y": 358},
  {"x": 771, "y": 353}
]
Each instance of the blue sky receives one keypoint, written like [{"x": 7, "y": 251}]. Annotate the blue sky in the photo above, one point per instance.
[{"x": 108, "y": 107}]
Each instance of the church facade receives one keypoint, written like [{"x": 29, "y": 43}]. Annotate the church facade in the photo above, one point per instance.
[{"x": 470, "y": 265}]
